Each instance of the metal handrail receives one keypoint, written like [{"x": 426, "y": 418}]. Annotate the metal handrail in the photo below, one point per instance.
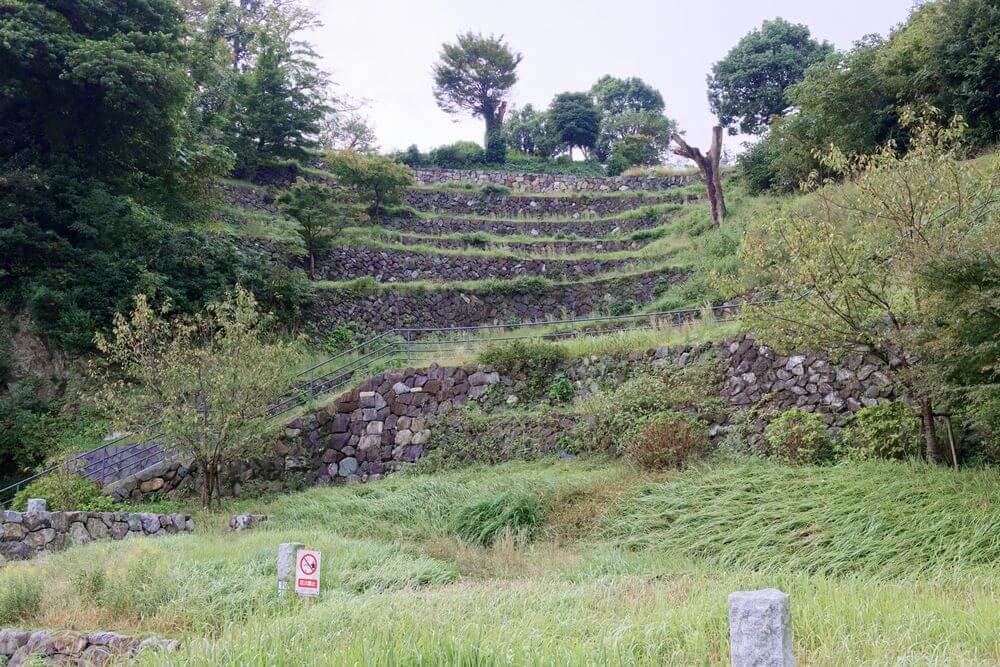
[{"x": 414, "y": 349}]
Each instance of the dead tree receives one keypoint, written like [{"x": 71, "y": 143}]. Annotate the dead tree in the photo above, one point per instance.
[{"x": 709, "y": 167}]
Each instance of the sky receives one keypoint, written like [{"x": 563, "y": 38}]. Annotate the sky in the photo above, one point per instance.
[{"x": 383, "y": 50}]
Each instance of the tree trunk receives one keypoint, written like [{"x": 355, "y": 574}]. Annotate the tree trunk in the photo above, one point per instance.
[
  {"x": 710, "y": 171},
  {"x": 312, "y": 266},
  {"x": 207, "y": 485},
  {"x": 929, "y": 431}
]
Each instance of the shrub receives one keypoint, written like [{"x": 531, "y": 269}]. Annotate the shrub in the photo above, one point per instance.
[
  {"x": 65, "y": 492},
  {"x": 796, "y": 436},
  {"x": 338, "y": 339},
  {"x": 885, "y": 431},
  {"x": 493, "y": 190},
  {"x": 459, "y": 155},
  {"x": 620, "y": 415},
  {"x": 532, "y": 362},
  {"x": 560, "y": 391},
  {"x": 20, "y": 596},
  {"x": 669, "y": 440},
  {"x": 484, "y": 521}
]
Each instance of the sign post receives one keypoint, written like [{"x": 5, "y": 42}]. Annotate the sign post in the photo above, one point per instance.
[
  {"x": 307, "y": 569},
  {"x": 286, "y": 565}
]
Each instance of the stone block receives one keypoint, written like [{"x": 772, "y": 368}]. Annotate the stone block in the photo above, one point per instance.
[
  {"x": 760, "y": 629},
  {"x": 348, "y": 467},
  {"x": 37, "y": 505}
]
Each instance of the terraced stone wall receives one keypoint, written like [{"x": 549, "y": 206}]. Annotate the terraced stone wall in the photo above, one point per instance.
[
  {"x": 584, "y": 228},
  {"x": 26, "y": 534},
  {"x": 524, "y": 182},
  {"x": 554, "y": 247},
  {"x": 382, "y": 309},
  {"x": 475, "y": 203}
]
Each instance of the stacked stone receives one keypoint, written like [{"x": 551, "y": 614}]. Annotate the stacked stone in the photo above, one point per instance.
[
  {"x": 385, "y": 422},
  {"x": 457, "y": 201},
  {"x": 554, "y": 247},
  {"x": 589, "y": 229},
  {"x": 388, "y": 308},
  {"x": 523, "y": 182},
  {"x": 390, "y": 265},
  {"x": 23, "y": 647},
  {"x": 162, "y": 477},
  {"x": 250, "y": 199},
  {"x": 25, "y": 534}
]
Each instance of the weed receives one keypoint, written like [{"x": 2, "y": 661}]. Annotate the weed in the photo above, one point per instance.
[{"x": 484, "y": 521}]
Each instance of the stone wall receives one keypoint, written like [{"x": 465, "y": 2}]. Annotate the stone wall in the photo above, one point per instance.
[
  {"x": 382, "y": 309},
  {"x": 248, "y": 198},
  {"x": 26, "y": 647},
  {"x": 517, "y": 206},
  {"x": 390, "y": 265},
  {"x": 25, "y": 534},
  {"x": 588, "y": 229},
  {"x": 524, "y": 182},
  {"x": 161, "y": 479},
  {"x": 554, "y": 247}
]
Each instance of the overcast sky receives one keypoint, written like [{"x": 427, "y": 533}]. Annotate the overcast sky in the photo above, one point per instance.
[{"x": 383, "y": 50}]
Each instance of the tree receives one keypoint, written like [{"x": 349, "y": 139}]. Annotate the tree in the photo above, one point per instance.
[
  {"x": 615, "y": 96},
  {"x": 653, "y": 125},
  {"x": 205, "y": 380},
  {"x": 575, "y": 121},
  {"x": 848, "y": 263},
  {"x": 634, "y": 150},
  {"x": 322, "y": 211},
  {"x": 341, "y": 131},
  {"x": 377, "y": 179},
  {"x": 474, "y": 75},
  {"x": 710, "y": 170},
  {"x": 530, "y": 131},
  {"x": 748, "y": 85}
]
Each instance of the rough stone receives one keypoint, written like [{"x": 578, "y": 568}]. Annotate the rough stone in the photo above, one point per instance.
[{"x": 760, "y": 629}]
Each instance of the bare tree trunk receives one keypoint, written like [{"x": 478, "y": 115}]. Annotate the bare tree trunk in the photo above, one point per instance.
[
  {"x": 930, "y": 432},
  {"x": 710, "y": 171},
  {"x": 312, "y": 266}
]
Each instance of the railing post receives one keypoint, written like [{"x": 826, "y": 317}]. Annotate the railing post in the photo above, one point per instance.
[{"x": 409, "y": 347}]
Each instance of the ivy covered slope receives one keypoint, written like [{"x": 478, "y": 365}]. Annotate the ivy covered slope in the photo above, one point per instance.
[{"x": 593, "y": 561}]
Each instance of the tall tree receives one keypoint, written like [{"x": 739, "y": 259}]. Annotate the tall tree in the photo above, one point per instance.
[
  {"x": 474, "y": 75},
  {"x": 575, "y": 120},
  {"x": 748, "y": 86},
  {"x": 709, "y": 165}
]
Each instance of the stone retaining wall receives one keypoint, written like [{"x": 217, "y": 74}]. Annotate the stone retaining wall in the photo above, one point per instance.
[
  {"x": 387, "y": 265},
  {"x": 524, "y": 182},
  {"x": 25, "y": 647},
  {"x": 588, "y": 229},
  {"x": 250, "y": 199},
  {"x": 553, "y": 247},
  {"x": 161, "y": 478},
  {"x": 516, "y": 206},
  {"x": 25, "y": 534},
  {"x": 382, "y": 309}
]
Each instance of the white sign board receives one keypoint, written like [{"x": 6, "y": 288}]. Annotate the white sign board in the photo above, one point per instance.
[{"x": 307, "y": 563}]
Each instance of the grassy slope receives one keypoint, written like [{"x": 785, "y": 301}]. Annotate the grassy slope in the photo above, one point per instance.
[{"x": 886, "y": 564}]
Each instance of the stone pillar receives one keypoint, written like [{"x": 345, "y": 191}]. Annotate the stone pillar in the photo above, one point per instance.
[
  {"x": 37, "y": 505},
  {"x": 760, "y": 629},
  {"x": 286, "y": 566}
]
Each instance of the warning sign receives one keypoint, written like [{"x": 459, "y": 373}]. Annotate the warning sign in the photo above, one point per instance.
[{"x": 307, "y": 563}]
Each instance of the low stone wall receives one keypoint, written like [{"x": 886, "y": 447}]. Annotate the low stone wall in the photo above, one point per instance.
[
  {"x": 26, "y": 647},
  {"x": 390, "y": 265},
  {"x": 524, "y": 182},
  {"x": 381, "y": 309},
  {"x": 554, "y": 247},
  {"x": 160, "y": 479},
  {"x": 588, "y": 229},
  {"x": 384, "y": 422},
  {"x": 248, "y": 198},
  {"x": 25, "y": 534},
  {"x": 516, "y": 206}
]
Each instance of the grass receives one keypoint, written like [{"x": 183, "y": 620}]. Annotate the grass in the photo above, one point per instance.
[
  {"x": 650, "y": 211},
  {"x": 900, "y": 568}
]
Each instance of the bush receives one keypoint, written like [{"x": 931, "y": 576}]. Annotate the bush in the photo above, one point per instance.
[
  {"x": 884, "y": 431},
  {"x": 483, "y": 522},
  {"x": 796, "y": 436},
  {"x": 338, "y": 339},
  {"x": 65, "y": 492},
  {"x": 459, "y": 155},
  {"x": 532, "y": 362},
  {"x": 669, "y": 440},
  {"x": 20, "y": 596},
  {"x": 560, "y": 391},
  {"x": 493, "y": 190}
]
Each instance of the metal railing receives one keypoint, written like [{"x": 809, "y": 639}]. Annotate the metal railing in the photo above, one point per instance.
[{"x": 119, "y": 458}]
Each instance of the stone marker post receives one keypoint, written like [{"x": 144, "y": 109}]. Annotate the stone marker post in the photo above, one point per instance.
[
  {"x": 760, "y": 629},
  {"x": 37, "y": 505},
  {"x": 286, "y": 565}
]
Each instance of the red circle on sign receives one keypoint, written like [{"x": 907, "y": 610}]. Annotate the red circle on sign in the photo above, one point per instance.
[{"x": 307, "y": 564}]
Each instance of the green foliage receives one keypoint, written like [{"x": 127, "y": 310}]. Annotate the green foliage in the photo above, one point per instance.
[
  {"x": 474, "y": 75},
  {"x": 668, "y": 440},
  {"x": 560, "y": 389},
  {"x": 530, "y": 132},
  {"x": 321, "y": 211},
  {"x": 493, "y": 190},
  {"x": 378, "y": 180},
  {"x": 485, "y": 521},
  {"x": 796, "y": 436},
  {"x": 613, "y": 95},
  {"x": 532, "y": 362},
  {"x": 459, "y": 155},
  {"x": 884, "y": 431},
  {"x": 338, "y": 339},
  {"x": 20, "y": 595},
  {"x": 575, "y": 120},
  {"x": 469, "y": 438},
  {"x": 65, "y": 492},
  {"x": 748, "y": 85}
]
